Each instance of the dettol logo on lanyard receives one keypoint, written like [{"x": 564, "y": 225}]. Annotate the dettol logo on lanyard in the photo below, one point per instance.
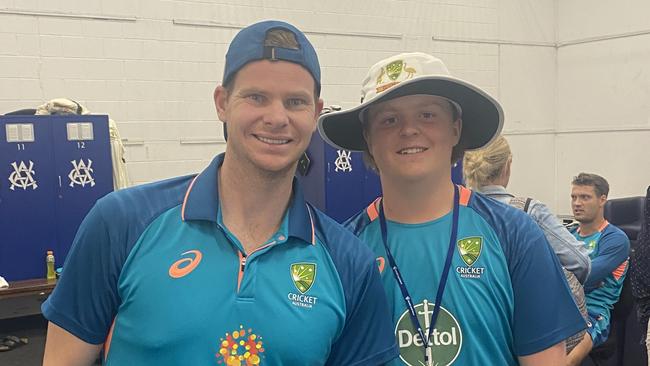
[{"x": 445, "y": 342}]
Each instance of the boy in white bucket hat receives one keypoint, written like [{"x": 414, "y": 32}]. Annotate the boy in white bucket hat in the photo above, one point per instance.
[{"x": 474, "y": 277}]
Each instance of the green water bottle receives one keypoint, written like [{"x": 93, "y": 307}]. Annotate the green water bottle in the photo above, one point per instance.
[{"x": 49, "y": 260}]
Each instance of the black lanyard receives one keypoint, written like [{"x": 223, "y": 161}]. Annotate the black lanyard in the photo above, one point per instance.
[{"x": 443, "y": 277}]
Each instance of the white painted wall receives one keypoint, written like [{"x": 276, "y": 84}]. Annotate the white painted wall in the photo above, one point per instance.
[
  {"x": 604, "y": 94},
  {"x": 152, "y": 66}
]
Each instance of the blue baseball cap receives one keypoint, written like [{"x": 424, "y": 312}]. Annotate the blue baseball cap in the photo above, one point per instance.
[{"x": 248, "y": 45}]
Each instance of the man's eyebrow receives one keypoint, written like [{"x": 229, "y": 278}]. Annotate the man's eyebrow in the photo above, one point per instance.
[
  {"x": 382, "y": 109},
  {"x": 292, "y": 94},
  {"x": 300, "y": 94},
  {"x": 251, "y": 90},
  {"x": 390, "y": 108},
  {"x": 442, "y": 103}
]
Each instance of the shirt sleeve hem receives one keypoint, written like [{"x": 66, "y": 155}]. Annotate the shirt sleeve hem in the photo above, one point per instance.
[
  {"x": 554, "y": 338},
  {"x": 70, "y": 325}
]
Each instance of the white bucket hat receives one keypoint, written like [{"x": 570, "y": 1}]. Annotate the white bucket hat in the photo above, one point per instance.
[{"x": 410, "y": 74}]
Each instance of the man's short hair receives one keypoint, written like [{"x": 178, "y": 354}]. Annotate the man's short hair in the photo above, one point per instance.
[
  {"x": 601, "y": 187},
  {"x": 275, "y": 38},
  {"x": 456, "y": 153}
]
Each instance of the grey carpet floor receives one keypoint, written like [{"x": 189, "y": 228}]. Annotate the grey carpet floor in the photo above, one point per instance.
[{"x": 31, "y": 327}]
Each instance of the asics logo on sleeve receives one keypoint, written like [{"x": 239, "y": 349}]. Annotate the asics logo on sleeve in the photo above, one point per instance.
[{"x": 185, "y": 266}]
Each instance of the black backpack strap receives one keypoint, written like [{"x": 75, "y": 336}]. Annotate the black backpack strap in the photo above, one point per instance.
[{"x": 528, "y": 200}]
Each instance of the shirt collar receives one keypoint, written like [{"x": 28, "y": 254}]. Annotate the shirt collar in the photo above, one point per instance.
[
  {"x": 600, "y": 228},
  {"x": 494, "y": 189},
  {"x": 202, "y": 203}
]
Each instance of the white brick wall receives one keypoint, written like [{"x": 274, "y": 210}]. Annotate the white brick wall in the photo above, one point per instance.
[{"x": 152, "y": 66}]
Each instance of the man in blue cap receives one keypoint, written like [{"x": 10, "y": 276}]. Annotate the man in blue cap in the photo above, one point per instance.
[{"x": 231, "y": 266}]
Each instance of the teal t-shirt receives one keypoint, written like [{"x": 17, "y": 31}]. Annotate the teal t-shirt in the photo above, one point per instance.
[
  {"x": 156, "y": 277},
  {"x": 506, "y": 295},
  {"x": 609, "y": 250}
]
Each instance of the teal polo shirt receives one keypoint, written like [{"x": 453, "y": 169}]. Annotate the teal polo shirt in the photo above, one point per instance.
[
  {"x": 506, "y": 295},
  {"x": 156, "y": 276},
  {"x": 609, "y": 249}
]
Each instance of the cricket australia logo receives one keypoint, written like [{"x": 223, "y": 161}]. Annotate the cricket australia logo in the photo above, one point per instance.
[
  {"x": 394, "y": 69},
  {"x": 22, "y": 176},
  {"x": 591, "y": 245},
  {"x": 470, "y": 250},
  {"x": 81, "y": 174},
  {"x": 343, "y": 161},
  {"x": 303, "y": 276},
  {"x": 446, "y": 337}
]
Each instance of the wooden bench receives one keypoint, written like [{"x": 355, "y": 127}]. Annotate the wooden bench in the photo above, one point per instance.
[{"x": 24, "y": 298}]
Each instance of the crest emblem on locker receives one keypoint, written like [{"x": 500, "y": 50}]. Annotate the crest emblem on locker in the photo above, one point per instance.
[
  {"x": 22, "y": 176},
  {"x": 81, "y": 173},
  {"x": 343, "y": 161}
]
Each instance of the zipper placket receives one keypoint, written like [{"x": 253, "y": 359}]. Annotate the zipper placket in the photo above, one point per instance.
[
  {"x": 242, "y": 266},
  {"x": 242, "y": 262}
]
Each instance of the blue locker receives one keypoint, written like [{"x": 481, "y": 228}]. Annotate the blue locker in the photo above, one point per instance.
[
  {"x": 84, "y": 172},
  {"x": 49, "y": 181},
  {"x": 27, "y": 194},
  {"x": 337, "y": 181}
]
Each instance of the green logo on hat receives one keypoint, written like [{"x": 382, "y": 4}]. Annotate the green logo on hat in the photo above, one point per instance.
[
  {"x": 446, "y": 338},
  {"x": 394, "y": 69},
  {"x": 470, "y": 249},
  {"x": 302, "y": 275}
]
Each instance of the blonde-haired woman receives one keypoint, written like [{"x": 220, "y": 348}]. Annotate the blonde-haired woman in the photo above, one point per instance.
[{"x": 488, "y": 171}]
